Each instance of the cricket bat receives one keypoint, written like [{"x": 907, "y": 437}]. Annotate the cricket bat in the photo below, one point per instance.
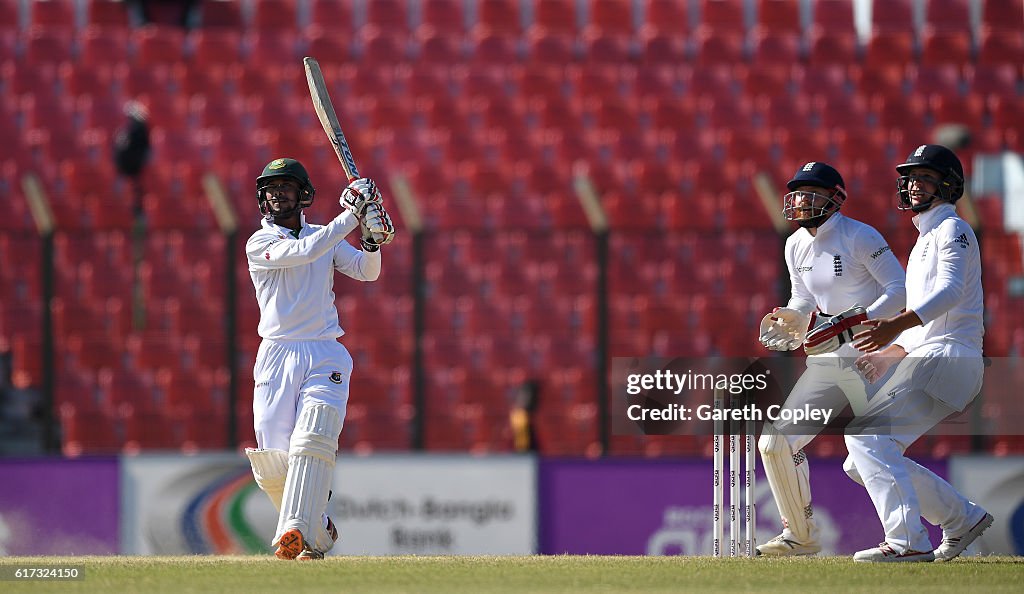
[{"x": 329, "y": 120}]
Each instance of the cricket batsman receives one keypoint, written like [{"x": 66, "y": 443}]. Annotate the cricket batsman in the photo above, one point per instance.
[{"x": 302, "y": 372}]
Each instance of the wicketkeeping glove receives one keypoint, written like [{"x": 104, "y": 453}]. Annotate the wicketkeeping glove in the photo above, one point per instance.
[
  {"x": 783, "y": 329},
  {"x": 359, "y": 194},
  {"x": 376, "y": 227},
  {"x": 836, "y": 331}
]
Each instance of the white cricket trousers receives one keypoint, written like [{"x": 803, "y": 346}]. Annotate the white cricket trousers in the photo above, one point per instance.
[
  {"x": 291, "y": 374},
  {"x": 911, "y": 403}
]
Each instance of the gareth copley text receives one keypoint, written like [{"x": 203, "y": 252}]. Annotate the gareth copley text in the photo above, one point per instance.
[{"x": 707, "y": 412}]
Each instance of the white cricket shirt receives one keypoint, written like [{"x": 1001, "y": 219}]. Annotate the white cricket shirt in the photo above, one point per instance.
[
  {"x": 847, "y": 263},
  {"x": 944, "y": 282},
  {"x": 294, "y": 276}
]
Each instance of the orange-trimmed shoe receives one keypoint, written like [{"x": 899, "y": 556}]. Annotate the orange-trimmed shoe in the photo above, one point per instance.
[{"x": 290, "y": 545}]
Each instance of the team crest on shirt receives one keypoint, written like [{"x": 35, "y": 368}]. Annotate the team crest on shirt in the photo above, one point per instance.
[{"x": 336, "y": 377}]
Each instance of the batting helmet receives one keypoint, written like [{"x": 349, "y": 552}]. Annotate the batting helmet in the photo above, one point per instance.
[
  {"x": 289, "y": 169},
  {"x": 820, "y": 175},
  {"x": 942, "y": 161}
]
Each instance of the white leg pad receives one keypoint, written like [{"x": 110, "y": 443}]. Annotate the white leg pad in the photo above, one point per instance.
[
  {"x": 270, "y": 468},
  {"x": 790, "y": 481},
  {"x": 311, "y": 459}
]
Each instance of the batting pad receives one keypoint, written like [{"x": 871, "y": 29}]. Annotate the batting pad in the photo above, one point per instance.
[
  {"x": 790, "y": 480},
  {"x": 311, "y": 459},
  {"x": 269, "y": 468}
]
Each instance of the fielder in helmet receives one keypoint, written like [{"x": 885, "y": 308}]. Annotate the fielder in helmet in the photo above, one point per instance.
[
  {"x": 932, "y": 353},
  {"x": 931, "y": 173},
  {"x": 302, "y": 372},
  {"x": 842, "y": 272}
]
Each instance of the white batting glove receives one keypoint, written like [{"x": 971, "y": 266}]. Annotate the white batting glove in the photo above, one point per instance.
[
  {"x": 783, "y": 329},
  {"x": 836, "y": 331},
  {"x": 376, "y": 227},
  {"x": 359, "y": 194}
]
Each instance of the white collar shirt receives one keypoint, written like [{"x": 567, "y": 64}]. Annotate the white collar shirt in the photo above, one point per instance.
[
  {"x": 293, "y": 275},
  {"x": 944, "y": 282},
  {"x": 846, "y": 263}
]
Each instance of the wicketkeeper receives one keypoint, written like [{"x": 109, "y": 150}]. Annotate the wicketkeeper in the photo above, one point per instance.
[
  {"x": 302, "y": 372},
  {"x": 843, "y": 267}
]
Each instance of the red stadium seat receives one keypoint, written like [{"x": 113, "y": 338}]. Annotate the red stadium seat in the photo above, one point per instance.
[
  {"x": 827, "y": 46},
  {"x": 770, "y": 48},
  {"x": 1001, "y": 47},
  {"x": 275, "y": 15},
  {"x": 444, "y": 16},
  {"x": 888, "y": 47},
  {"x": 436, "y": 48},
  {"x": 149, "y": 431},
  {"x": 389, "y": 15},
  {"x": 544, "y": 48},
  {"x": 109, "y": 14},
  {"x": 158, "y": 45},
  {"x": 99, "y": 47},
  {"x": 951, "y": 109},
  {"x": 328, "y": 46},
  {"x": 941, "y": 79},
  {"x": 333, "y": 15},
  {"x": 221, "y": 14},
  {"x": 833, "y": 16},
  {"x": 611, "y": 16},
  {"x": 661, "y": 49},
  {"x": 492, "y": 48},
  {"x": 379, "y": 46},
  {"x": 59, "y": 14},
  {"x": 10, "y": 15},
  {"x": 499, "y": 16},
  {"x": 555, "y": 16},
  {"x": 215, "y": 47},
  {"x": 948, "y": 15},
  {"x": 892, "y": 15},
  {"x": 602, "y": 48},
  {"x": 87, "y": 432},
  {"x": 667, "y": 17},
  {"x": 779, "y": 16},
  {"x": 723, "y": 47},
  {"x": 941, "y": 46},
  {"x": 46, "y": 46},
  {"x": 987, "y": 79},
  {"x": 1002, "y": 15},
  {"x": 722, "y": 16}
]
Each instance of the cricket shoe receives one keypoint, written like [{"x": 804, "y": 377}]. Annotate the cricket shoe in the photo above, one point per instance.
[
  {"x": 308, "y": 554},
  {"x": 952, "y": 546},
  {"x": 290, "y": 545},
  {"x": 311, "y": 554},
  {"x": 884, "y": 553},
  {"x": 780, "y": 546}
]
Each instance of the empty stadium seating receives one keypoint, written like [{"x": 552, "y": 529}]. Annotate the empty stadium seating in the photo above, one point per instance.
[{"x": 490, "y": 107}]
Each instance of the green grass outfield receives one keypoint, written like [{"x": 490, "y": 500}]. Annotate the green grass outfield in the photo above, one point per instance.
[{"x": 123, "y": 575}]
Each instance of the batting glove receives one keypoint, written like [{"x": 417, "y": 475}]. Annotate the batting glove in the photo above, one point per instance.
[
  {"x": 835, "y": 331},
  {"x": 359, "y": 194},
  {"x": 376, "y": 227},
  {"x": 783, "y": 329}
]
